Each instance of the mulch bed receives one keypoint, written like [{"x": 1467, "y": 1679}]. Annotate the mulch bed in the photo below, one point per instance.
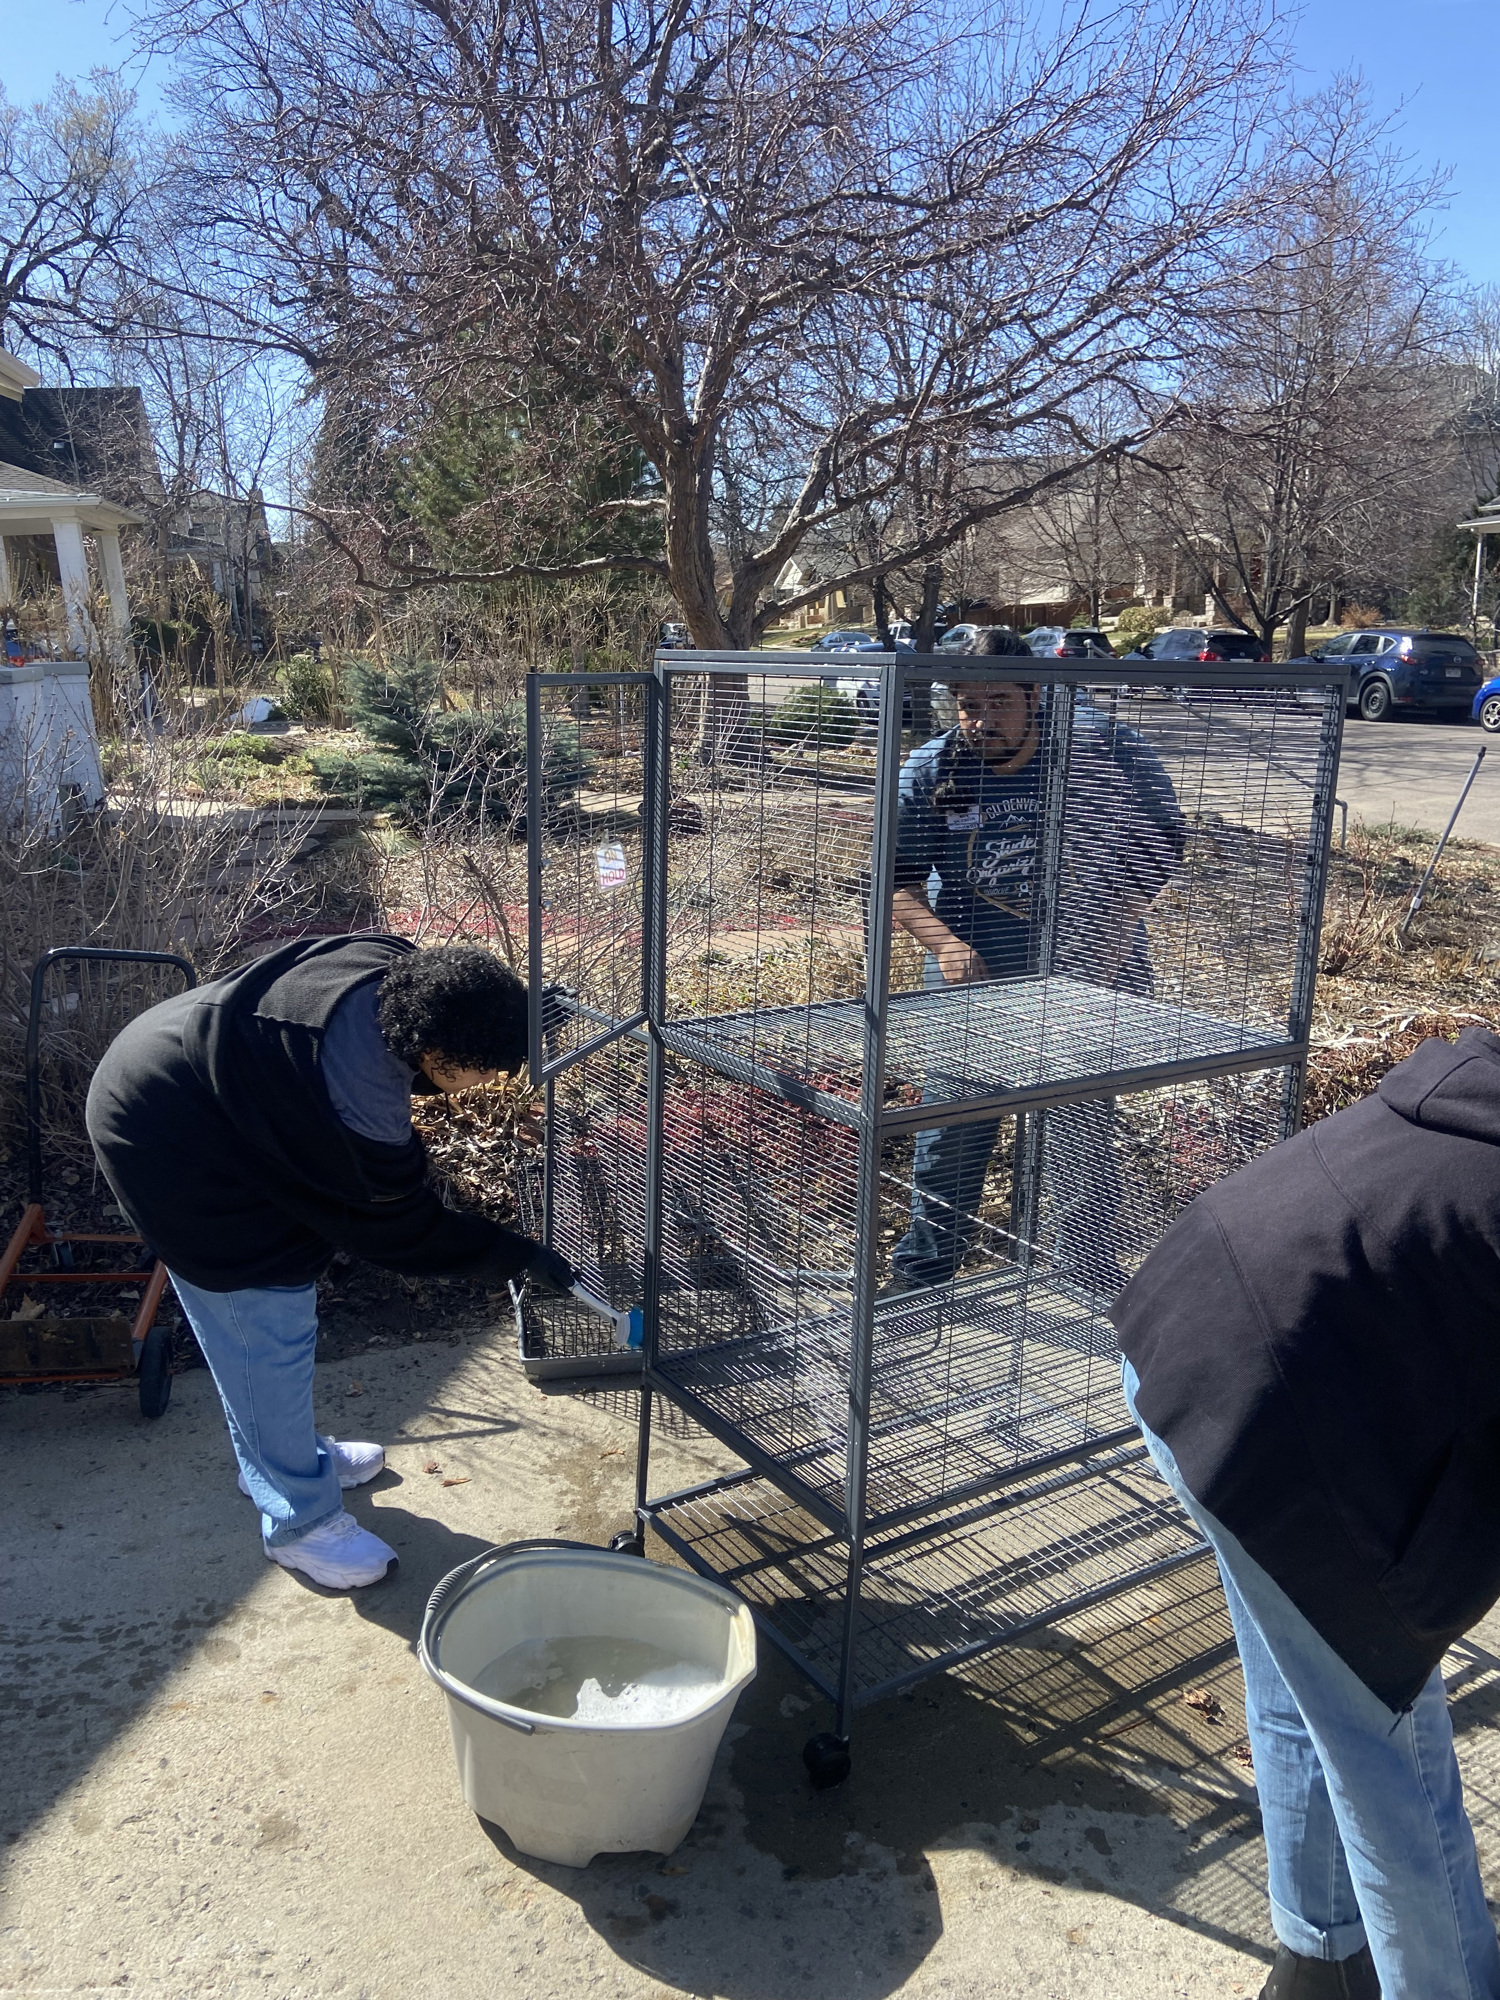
[{"x": 1378, "y": 996}]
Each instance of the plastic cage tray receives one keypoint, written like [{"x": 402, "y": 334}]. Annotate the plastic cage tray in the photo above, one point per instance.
[
  {"x": 969, "y": 1041},
  {"x": 950, "y": 1589},
  {"x": 558, "y": 1339}
]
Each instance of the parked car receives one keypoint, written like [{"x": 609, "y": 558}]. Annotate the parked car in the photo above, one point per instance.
[
  {"x": 1397, "y": 667},
  {"x": 1486, "y": 709},
  {"x": 1070, "y": 642},
  {"x": 956, "y": 638},
  {"x": 846, "y": 641},
  {"x": 1193, "y": 642},
  {"x": 867, "y": 701},
  {"x": 673, "y": 633}
]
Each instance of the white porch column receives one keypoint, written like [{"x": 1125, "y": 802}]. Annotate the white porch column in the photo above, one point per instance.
[
  {"x": 6, "y": 594},
  {"x": 114, "y": 580},
  {"x": 73, "y": 569}
]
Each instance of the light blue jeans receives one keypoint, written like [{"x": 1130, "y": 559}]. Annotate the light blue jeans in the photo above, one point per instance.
[
  {"x": 1366, "y": 1833},
  {"x": 1082, "y": 1176},
  {"x": 260, "y": 1344}
]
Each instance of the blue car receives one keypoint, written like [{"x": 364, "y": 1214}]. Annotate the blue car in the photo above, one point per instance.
[
  {"x": 1486, "y": 709},
  {"x": 1395, "y": 669}
]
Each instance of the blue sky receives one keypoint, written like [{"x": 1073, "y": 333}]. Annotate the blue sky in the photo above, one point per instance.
[{"x": 1440, "y": 58}]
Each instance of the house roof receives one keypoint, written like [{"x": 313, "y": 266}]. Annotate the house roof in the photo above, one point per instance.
[
  {"x": 15, "y": 377},
  {"x": 30, "y": 503},
  {"x": 94, "y": 439}
]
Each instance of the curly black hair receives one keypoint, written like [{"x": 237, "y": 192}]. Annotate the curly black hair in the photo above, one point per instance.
[{"x": 457, "y": 1003}]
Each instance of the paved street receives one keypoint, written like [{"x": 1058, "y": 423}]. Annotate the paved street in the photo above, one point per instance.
[
  {"x": 1413, "y": 771},
  {"x": 221, "y": 1781}
]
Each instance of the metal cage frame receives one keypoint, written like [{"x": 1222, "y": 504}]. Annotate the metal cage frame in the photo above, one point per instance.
[{"x": 865, "y": 1599}]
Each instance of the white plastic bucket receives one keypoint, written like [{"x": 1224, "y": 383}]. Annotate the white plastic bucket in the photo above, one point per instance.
[{"x": 563, "y": 1789}]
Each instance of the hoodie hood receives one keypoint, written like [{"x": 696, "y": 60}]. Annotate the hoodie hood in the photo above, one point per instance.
[{"x": 1450, "y": 1086}]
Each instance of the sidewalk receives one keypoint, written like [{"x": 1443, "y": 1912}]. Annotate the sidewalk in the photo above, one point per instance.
[{"x": 223, "y": 1782}]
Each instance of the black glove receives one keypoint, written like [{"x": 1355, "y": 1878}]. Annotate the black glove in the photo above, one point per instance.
[
  {"x": 557, "y": 1008},
  {"x": 549, "y": 1272}
]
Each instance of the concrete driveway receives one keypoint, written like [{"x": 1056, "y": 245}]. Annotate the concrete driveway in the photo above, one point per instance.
[
  {"x": 222, "y": 1782},
  {"x": 1412, "y": 772}
]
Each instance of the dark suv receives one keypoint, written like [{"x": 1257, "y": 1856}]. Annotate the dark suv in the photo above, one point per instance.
[
  {"x": 1393, "y": 667},
  {"x": 1192, "y": 642}
]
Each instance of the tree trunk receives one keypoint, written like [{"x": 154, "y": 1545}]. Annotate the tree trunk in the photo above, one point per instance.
[
  {"x": 690, "y": 571},
  {"x": 579, "y": 651},
  {"x": 1296, "y": 628},
  {"x": 932, "y": 583},
  {"x": 882, "y": 614}
]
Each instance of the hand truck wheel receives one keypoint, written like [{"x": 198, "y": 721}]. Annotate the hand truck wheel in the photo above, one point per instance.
[
  {"x": 827, "y": 1759},
  {"x": 154, "y": 1371}
]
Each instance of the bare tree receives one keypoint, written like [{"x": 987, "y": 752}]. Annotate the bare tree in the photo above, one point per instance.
[
  {"x": 1308, "y": 418},
  {"x": 795, "y": 252},
  {"x": 1086, "y": 528},
  {"x": 1476, "y": 348},
  {"x": 72, "y": 186}
]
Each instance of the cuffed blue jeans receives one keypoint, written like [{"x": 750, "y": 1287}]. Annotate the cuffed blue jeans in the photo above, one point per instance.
[
  {"x": 260, "y": 1344},
  {"x": 1366, "y": 1834}
]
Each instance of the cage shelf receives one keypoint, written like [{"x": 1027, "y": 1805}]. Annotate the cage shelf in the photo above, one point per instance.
[
  {"x": 958, "y": 1042},
  {"x": 976, "y": 1578},
  {"x": 967, "y": 1383}
]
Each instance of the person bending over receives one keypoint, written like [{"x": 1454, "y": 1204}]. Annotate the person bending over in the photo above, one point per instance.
[
  {"x": 251, "y": 1127},
  {"x": 1311, "y": 1354}
]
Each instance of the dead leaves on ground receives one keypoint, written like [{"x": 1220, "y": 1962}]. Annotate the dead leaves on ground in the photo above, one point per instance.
[{"x": 1204, "y": 1702}]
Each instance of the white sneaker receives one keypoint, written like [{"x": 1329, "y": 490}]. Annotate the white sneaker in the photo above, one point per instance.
[
  {"x": 356, "y": 1463},
  {"x": 339, "y": 1553}
]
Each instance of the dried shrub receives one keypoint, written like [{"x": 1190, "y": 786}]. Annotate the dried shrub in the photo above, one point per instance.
[
  {"x": 154, "y": 869},
  {"x": 1340, "y": 1073}
]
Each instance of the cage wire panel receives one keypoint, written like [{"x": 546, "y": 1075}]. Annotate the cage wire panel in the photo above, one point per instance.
[
  {"x": 589, "y": 748},
  {"x": 877, "y": 1206}
]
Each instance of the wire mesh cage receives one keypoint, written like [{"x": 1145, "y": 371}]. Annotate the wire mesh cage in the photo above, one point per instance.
[
  {"x": 59, "y": 1019},
  {"x": 887, "y": 1057}
]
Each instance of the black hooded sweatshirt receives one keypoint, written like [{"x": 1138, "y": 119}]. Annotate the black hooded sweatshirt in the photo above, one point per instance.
[
  {"x": 213, "y": 1125},
  {"x": 1318, "y": 1342}
]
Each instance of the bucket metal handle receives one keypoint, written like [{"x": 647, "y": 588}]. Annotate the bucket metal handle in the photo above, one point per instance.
[{"x": 446, "y": 1590}]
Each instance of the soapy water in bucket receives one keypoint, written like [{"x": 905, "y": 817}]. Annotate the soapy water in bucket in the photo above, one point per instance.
[{"x": 598, "y": 1679}]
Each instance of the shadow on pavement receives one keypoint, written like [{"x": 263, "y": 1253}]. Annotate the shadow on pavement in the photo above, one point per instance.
[
  {"x": 127, "y": 1547},
  {"x": 1078, "y": 1761},
  {"x": 1101, "y": 1757}
]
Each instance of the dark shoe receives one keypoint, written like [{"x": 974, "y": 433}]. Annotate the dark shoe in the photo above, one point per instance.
[
  {"x": 898, "y": 1284},
  {"x": 1295, "y": 1978}
]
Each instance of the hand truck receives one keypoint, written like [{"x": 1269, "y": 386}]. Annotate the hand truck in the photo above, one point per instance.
[{"x": 55, "y": 1348}]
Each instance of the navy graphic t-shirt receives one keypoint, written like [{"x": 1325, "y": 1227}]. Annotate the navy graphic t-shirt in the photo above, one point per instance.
[{"x": 978, "y": 828}]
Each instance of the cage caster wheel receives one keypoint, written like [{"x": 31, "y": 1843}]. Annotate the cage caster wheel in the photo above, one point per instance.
[
  {"x": 827, "y": 1759},
  {"x": 154, "y": 1372},
  {"x": 629, "y": 1542}
]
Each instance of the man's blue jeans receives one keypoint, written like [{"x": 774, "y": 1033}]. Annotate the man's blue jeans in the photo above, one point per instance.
[
  {"x": 260, "y": 1344},
  {"x": 1081, "y": 1177},
  {"x": 1366, "y": 1833}
]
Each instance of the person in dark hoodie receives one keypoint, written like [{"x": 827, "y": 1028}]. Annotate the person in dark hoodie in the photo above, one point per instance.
[
  {"x": 1313, "y": 1355},
  {"x": 253, "y": 1126}
]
